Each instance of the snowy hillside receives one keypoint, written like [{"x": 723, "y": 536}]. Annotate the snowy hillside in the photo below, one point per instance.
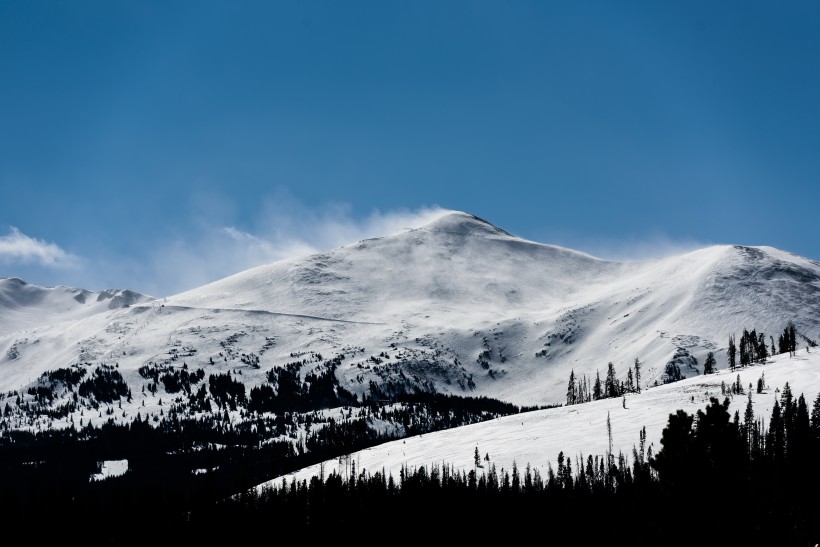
[
  {"x": 456, "y": 306},
  {"x": 536, "y": 437}
]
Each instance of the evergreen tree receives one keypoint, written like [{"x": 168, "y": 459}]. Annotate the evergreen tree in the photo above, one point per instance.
[
  {"x": 749, "y": 347},
  {"x": 762, "y": 353},
  {"x": 611, "y": 382},
  {"x": 559, "y": 473},
  {"x": 718, "y": 446},
  {"x": 674, "y": 460},
  {"x": 583, "y": 395},
  {"x": 709, "y": 365},
  {"x": 788, "y": 408},
  {"x": 568, "y": 475},
  {"x": 752, "y": 341},
  {"x": 528, "y": 484},
  {"x": 609, "y": 455},
  {"x": 640, "y": 463},
  {"x": 516, "y": 478},
  {"x": 596, "y": 389},
  {"x": 815, "y": 417},
  {"x": 743, "y": 349},
  {"x": 748, "y": 420},
  {"x": 572, "y": 392},
  {"x": 776, "y": 436},
  {"x": 792, "y": 337},
  {"x": 799, "y": 447},
  {"x": 788, "y": 340},
  {"x": 732, "y": 351},
  {"x": 637, "y": 374},
  {"x": 672, "y": 373}
]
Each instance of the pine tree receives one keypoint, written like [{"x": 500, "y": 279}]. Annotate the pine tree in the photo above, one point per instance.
[
  {"x": 792, "y": 337},
  {"x": 776, "y": 436},
  {"x": 609, "y": 452},
  {"x": 637, "y": 374},
  {"x": 640, "y": 464},
  {"x": 788, "y": 340},
  {"x": 815, "y": 416},
  {"x": 611, "y": 383},
  {"x": 788, "y": 407},
  {"x": 761, "y": 348},
  {"x": 516, "y": 478},
  {"x": 748, "y": 419},
  {"x": 596, "y": 389},
  {"x": 745, "y": 349},
  {"x": 801, "y": 435},
  {"x": 718, "y": 445},
  {"x": 709, "y": 365},
  {"x": 674, "y": 461},
  {"x": 572, "y": 392},
  {"x": 630, "y": 381},
  {"x": 732, "y": 352},
  {"x": 751, "y": 343}
]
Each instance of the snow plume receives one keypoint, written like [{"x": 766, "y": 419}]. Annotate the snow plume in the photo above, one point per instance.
[
  {"x": 17, "y": 247},
  {"x": 285, "y": 229},
  {"x": 288, "y": 225},
  {"x": 648, "y": 247}
]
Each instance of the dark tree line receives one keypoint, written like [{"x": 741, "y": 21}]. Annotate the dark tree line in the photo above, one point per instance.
[
  {"x": 583, "y": 390},
  {"x": 182, "y": 466},
  {"x": 787, "y": 342},
  {"x": 752, "y": 346},
  {"x": 717, "y": 479},
  {"x": 286, "y": 391},
  {"x": 105, "y": 385},
  {"x": 751, "y": 349}
]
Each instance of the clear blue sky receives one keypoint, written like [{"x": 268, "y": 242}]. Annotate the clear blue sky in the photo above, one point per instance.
[{"x": 160, "y": 145}]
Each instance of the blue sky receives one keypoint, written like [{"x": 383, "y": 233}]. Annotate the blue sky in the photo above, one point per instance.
[{"x": 161, "y": 145}]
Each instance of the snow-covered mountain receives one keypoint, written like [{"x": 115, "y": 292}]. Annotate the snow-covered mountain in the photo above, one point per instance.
[
  {"x": 456, "y": 306},
  {"x": 25, "y": 305}
]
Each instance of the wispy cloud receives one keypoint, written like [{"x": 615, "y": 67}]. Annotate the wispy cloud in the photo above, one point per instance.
[{"x": 17, "y": 247}]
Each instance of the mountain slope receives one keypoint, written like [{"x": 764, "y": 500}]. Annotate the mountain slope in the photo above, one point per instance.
[
  {"x": 475, "y": 293},
  {"x": 456, "y": 306}
]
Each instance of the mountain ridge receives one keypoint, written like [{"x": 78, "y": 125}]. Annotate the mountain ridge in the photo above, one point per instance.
[{"x": 460, "y": 306}]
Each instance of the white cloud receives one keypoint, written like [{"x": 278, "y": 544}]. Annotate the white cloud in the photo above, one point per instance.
[{"x": 20, "y": 248}]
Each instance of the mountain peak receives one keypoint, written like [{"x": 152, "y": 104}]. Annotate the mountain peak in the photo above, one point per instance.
[{"x": 461, "y": 223}]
